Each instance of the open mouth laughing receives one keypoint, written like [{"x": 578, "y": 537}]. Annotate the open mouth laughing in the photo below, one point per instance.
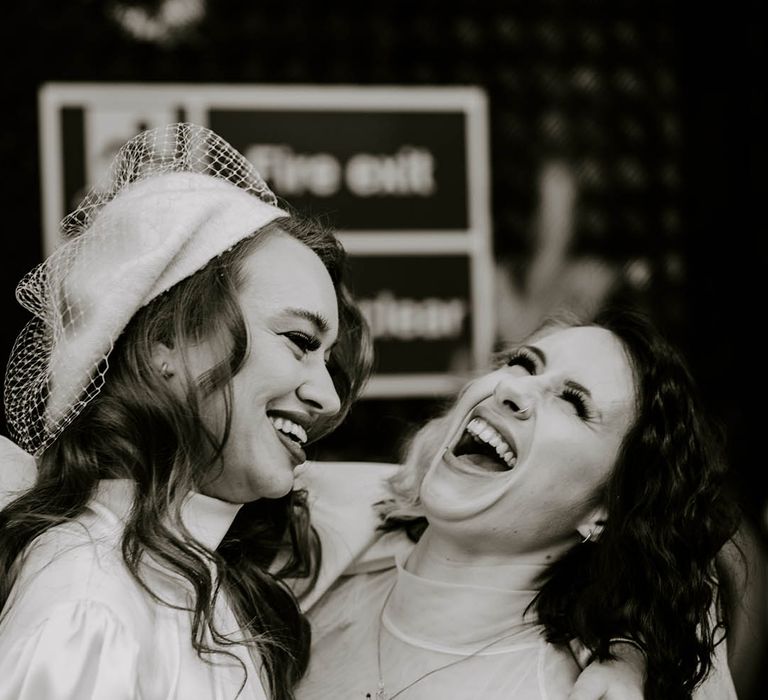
[
  {"x": 481, "y": 447},
  {"x": 292, "y": 434}
]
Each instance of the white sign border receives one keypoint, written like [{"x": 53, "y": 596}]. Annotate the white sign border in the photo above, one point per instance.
[{"x": 196, "y": 99}]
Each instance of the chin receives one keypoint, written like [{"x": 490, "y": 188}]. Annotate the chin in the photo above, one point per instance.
[
  {"x": 450, "y": 494},
  {"x": 250, "y": 495},
  {"x": 275, "y": 483},
  {"x": 277, "y": 490},
  {"x": 274, "y": 480},
  {"x": 440, "y": 493}
]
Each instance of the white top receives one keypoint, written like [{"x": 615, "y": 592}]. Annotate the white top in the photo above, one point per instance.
[
  {"x": 359, "y": 568},
  {"x": 476, "y": 636},
  {"x": 79, "y": 627},
  {"x": 97, "y": 626}
]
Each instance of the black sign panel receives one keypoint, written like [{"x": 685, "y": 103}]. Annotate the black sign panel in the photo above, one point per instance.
[
  {"x": 419, "y": 310},
  {"x": 366, "y": 170}
]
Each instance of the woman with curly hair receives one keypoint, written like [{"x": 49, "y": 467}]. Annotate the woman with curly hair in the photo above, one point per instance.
[
  {"x": 189, "y": 338},
  {"x": 571, "y": 498}
]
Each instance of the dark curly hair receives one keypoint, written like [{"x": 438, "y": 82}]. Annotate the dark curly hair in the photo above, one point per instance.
[
  {"x": 652, "y": 572},
  {"x": 651, "y": 575},
  {"x": 139, "y": 429}
]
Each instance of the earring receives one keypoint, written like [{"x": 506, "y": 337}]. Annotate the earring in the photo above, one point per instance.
[{"x": 165, "y": 372}]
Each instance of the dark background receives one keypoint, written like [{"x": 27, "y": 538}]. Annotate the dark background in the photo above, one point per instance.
[{"x": 659, "y": 106}]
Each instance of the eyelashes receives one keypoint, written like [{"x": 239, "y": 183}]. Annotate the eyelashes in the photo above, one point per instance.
[
  {"x": 303, "y": 341},
  {"x": 575, "y": 397},
  {"x": 521, "y": 357}
]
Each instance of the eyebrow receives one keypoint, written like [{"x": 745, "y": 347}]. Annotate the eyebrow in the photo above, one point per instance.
[{"x": 318, "y": 320}]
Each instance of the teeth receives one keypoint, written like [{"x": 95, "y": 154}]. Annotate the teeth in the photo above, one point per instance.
[
  {"x": 481, "y": 430},
  {"x": 284, "y": 425}
]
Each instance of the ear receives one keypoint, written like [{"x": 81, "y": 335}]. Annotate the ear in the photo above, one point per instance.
[
  {"x": 592, "y": 526},
  {"x": 164, "y": 360}
]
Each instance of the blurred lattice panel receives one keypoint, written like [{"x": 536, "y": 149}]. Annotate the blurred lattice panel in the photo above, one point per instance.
[{"x": 591, "y": 83}]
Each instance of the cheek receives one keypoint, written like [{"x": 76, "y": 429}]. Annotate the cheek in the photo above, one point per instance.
[
  {"x": 479, "y": 389},
  {"x": 247, "y": 409},
  {"x": 573, "y": 468},
  {"x": 267, "y": 373},
  {"x": 587, "y": 478},
  {"x": 278, "y": 368},
  {"x": 471, "y": 395},
  {"x": 213, "y": 412},
  {"x": 250, "y": 396}
]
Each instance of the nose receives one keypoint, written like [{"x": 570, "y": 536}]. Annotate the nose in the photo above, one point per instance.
[
  {"x": 319, "y": 392},
  {"x": 516, "y": 394}
]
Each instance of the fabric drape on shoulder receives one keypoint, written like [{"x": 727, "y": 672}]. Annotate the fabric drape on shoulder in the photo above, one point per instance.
[
  {"x": 81, "y": 650},
  {"x": 341, "y": 501},
  {"x": 79, "y": 626}
]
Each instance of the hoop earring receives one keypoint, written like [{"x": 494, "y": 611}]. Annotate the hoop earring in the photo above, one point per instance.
[{"x": 165, "y": 372}]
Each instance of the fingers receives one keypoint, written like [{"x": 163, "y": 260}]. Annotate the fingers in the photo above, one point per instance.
[{"x": 588, "y": 688}]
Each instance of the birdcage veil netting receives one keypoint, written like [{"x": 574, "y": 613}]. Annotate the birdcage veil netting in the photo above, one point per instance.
[{"x": 59, "y": 360}]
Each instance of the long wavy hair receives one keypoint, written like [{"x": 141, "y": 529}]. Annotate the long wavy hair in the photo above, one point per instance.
[
  {"x": 138, "y": 428},
  {"x": 652, "y": 574}
]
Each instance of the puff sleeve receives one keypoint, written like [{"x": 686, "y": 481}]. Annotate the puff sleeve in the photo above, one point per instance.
[
  {"x": 81, "y": 651},
  {"x": 341, "y": 498}
]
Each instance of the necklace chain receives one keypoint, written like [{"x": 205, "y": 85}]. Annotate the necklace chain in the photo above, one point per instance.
[{"x": 380, "y": 691}]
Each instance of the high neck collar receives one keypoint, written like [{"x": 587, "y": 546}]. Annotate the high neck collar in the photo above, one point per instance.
[
  {"x": 460, "y": 618},
  {"x": 431, "y": 559},
  {"x": 206, "y": 518}
]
